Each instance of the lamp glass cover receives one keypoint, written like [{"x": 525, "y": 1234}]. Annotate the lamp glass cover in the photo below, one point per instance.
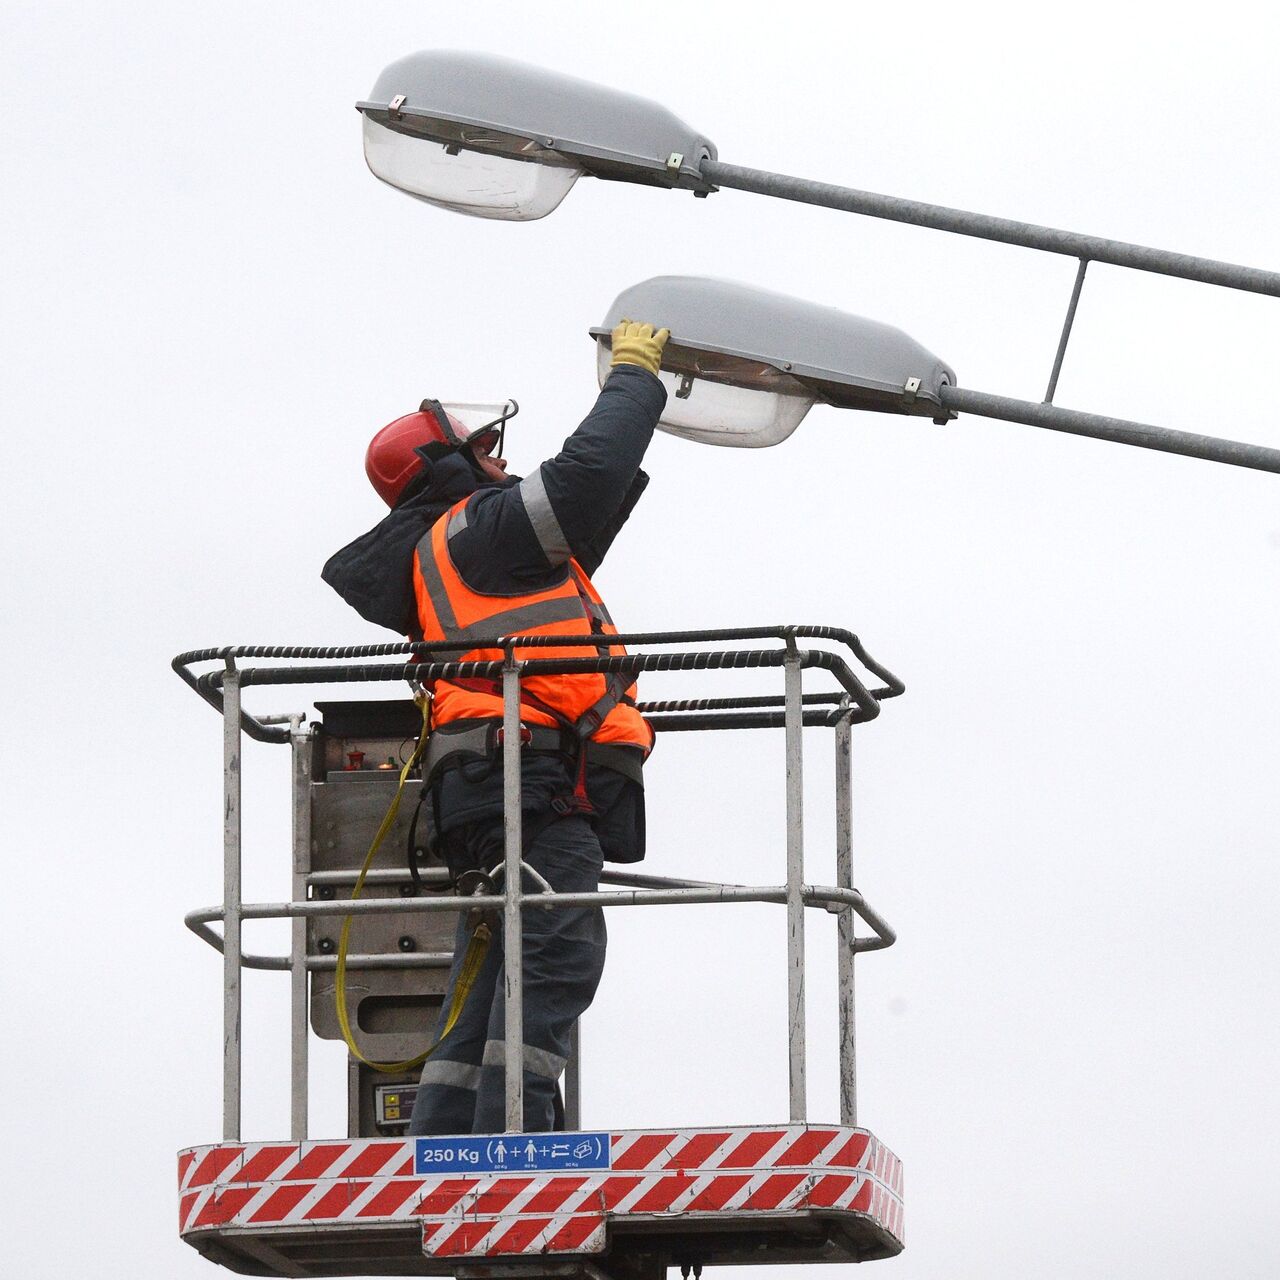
[
  {"x": 714, "y": 412},
  {"x": 480, "y": 184}
]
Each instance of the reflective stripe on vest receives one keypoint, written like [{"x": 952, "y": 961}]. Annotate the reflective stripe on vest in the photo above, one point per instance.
[{"x": 450, "y": 610}]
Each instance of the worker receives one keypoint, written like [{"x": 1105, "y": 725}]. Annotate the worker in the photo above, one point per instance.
[{"x": 469, "y": 551}]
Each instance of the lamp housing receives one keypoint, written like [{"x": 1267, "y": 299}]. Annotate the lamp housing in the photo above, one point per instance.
[
  {"x": 744, "y": 365},
  {"x": 496, "y": 138}
]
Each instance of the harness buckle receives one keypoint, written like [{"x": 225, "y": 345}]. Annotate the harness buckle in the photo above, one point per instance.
[
  {"x": 526, "y": 735},
  {"x": 469, "y": 884},
  {"x": 565, "y": 805}
]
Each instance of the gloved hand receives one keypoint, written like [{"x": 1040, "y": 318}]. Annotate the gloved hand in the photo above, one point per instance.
[{"x": 638, "y": 344}]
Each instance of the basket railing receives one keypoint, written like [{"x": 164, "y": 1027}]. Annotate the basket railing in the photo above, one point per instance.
[{"x": 854, "y": 700}]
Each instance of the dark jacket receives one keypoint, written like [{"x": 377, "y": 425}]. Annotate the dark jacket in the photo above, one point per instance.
[{"x": 519, "y": 537}]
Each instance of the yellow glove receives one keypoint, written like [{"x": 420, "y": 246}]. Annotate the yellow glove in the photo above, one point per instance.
[{"x": 638, "y": 344}]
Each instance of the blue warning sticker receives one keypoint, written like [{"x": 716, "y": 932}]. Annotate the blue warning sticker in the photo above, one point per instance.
[{"x": 512, "y": 1153}]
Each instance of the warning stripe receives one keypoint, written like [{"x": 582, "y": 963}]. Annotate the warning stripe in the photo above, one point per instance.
[
  {"x": 718, "y": 1193},
  {"x": 577, "y": 1234},
  {"x": 639, "y": 1154},
  {"x": 336, "y": 1200},
  {"x": 221, "y": 1208},
  {"x": 282, "y": 1202},
  {"x": 612, "y": 1191},
  {"x": 370, "y": 1160},
  {"x": 662, "y": 1193},
  {"x": 724, "y": 1171},
  {"x": 697, "y": 1151},
  {"x": 313, "y": 1163},
  {"x": 773, "y": 1190},
  {"x": 829, "y": 1188},
  {"x": 263, "y": 1163},
  {"x": 852, "y": 1154},
  {"x": 389, "y": 1197},
  {"x": 466, "y": 1237},
  {"x": 498, "y": 1194},
  {"x": 395, "y": 1199},
  {"x": 880, "y": 1204},
  {"x": 807, "y": 1147},
  {"x": 214, "y": 1164},
  {"x": 549, "y": 1198},
  {"x": 751, "y": 1150},
  {"x": 442, "y": 1197},
  {"x": 519, "y": 1235}
]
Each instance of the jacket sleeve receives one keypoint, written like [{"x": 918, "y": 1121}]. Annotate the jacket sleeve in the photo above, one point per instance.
[{"x": 574, "y": 503}]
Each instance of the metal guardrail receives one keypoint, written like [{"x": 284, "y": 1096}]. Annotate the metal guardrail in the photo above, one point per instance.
[
  {"x": 267, "y": 729},
  {"x": 853, "y": 703}
]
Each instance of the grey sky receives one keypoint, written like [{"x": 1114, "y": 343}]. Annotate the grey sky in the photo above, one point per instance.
[{"x": 209, "y": 305}]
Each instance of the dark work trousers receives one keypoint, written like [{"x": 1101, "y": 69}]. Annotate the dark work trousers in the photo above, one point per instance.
[{"x": 463, "y": 1088}]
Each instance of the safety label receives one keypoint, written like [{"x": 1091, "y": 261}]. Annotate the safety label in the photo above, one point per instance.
[{"x": 512, "y": 1153}]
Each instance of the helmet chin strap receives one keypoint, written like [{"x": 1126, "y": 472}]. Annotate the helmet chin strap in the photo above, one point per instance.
[{"x": 452, "y": 442}]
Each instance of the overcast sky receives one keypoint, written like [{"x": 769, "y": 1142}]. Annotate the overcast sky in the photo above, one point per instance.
[{"x": 208, "y": 305}]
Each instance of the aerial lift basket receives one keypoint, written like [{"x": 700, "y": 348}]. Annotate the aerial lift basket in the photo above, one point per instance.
[{"x": 605, "y": 1204}]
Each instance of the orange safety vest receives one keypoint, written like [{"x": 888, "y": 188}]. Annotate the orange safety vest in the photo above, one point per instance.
[{"x": 448, "y": 609}]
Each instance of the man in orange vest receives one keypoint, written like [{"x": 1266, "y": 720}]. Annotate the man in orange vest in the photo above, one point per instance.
[{"x": 467, "y": 553}]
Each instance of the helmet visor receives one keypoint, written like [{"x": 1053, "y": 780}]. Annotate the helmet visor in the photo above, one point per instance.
[{"x": 484, "y": 425}]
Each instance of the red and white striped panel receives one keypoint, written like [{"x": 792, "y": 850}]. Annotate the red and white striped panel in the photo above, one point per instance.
[{"x": 728, "y": 1174}]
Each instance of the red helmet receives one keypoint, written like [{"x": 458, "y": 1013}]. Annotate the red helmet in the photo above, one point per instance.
[{"x": 392, "y": 459}]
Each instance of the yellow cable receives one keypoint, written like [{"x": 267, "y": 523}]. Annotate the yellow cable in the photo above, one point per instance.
[{"x": 471, "y": 962}]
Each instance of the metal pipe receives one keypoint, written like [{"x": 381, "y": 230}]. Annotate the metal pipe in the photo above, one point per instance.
[
  {"x": 777, "y": 631},
  {"x": 260, "y": 729},
  {"x": 573, "y": 1080},
  {"x": 394, "y": 960},
  {"x": 298, "y": 1046},
  {"x": 737, "y": 704},
  {"x": 635, "y": 880},
  {"x": 208, "y": 685},
  {"x": 1030, "y": 236},
  {"x": 1119, "y": 430},
  {"x": 845, "y": 930},
  {"x": 326, "y": 964},
  {"x": 231, "y": 893},
  {"x": 795, "y": 886},
  {"x": 512, "y": 920},
  {"x": 629, "y": 664},
  {"x": 812, "y": 896},
  {"x": 1066, "y": 330},
  {"x": 376, "y": 875}
]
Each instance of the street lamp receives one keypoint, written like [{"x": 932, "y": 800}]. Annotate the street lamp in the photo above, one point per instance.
[
  {"x": 499, "y": 139},
  {"x": 743, "y": 365}
]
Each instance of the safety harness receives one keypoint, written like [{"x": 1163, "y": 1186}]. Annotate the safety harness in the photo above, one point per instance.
[{"x": 458, "y": 614}]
